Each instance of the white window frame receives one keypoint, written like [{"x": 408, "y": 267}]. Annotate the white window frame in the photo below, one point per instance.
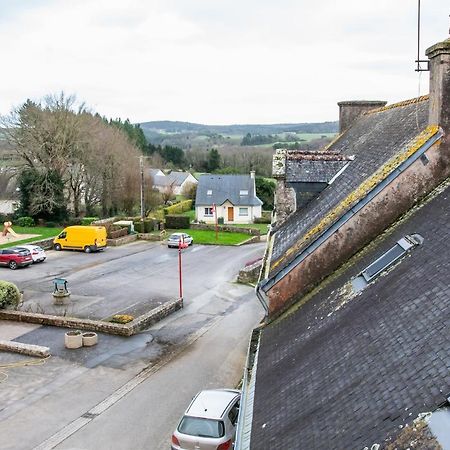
[
  {"x": 209, "y": 192},
  {"x": 241, "y": 212},
  {"x": 209, "y": 211}
]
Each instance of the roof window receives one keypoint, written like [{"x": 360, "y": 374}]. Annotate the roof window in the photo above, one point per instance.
[
  {"x": 209, "y": 192},
  {"x": 388, "y": 259},
  {"x": 243, "y": 192}
]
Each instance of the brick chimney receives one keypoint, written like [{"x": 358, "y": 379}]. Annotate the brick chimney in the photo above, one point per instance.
[
  {"x": 350, "y": 111},
  {"x": 439, "y": 56}
]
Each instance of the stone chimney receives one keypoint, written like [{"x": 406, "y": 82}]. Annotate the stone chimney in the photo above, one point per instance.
[
  {"x": 350, "y": 111},
  {"x": 252, "y": 174},
  {"x": 439, "y": 56}
]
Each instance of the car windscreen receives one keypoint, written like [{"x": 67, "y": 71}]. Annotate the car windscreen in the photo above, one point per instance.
[{"x": 197, "y": 426}]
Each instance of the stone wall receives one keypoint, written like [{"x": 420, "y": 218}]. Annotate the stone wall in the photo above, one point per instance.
[
  {"x": 202, "y": 226},
  {"x": 122, "y": 240},
  {"x": 250, "y": 274},
  {"x": 350, "y": 111}
]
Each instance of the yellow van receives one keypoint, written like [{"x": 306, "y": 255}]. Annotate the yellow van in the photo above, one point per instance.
[{"x": 86, "y": 238}]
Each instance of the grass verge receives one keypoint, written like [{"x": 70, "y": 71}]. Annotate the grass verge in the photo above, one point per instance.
[
  {"x": 209, "y": 237},
  {"x": 42, "y": 233}
]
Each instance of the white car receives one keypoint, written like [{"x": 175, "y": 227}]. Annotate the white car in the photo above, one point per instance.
[
  {"x": 210, "y": 421},
  {"x": 175, "y": 238},
  {"x": 37, "y": 253}
]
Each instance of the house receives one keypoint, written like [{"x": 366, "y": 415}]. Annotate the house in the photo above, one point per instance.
[
  {"x": 8, "y": 207},
  {"x": 234, "y": 196},
  {"x": 174, "y": 181},
  {"x": 357, "y": 278}
]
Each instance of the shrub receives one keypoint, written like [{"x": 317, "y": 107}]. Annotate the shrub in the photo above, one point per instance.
[
  {"x": 50, "y": 224},
  {"x": 25, "y": 221},
  {"x": 176, "y": 222},
  {"x": 139, "y": 227},
  {"x": 150, "y": 225},
  {"x": 74, "y": 221},
  {"x": 9, "y": 294},
  {"x": 262, "y": 220},
  {"x": 178, "y": 208},
  {"x": 88, "y": 220}
]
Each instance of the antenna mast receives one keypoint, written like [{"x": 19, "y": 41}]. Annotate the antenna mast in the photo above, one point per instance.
[{"x": 418, "y": 60}]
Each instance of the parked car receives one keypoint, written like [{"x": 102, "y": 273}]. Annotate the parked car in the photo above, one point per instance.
[
  {"x": 15, "y": 257},
  {"x": 175, "y": 238},
  {"x": 78, "y": 237},
  {"x": 37, "y": 253},
  {"x": 210, "y": 421}
]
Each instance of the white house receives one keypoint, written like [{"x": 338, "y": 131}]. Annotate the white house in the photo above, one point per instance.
[
  {"x": 175, "y": 181},
  {"x": 234, "y": 197}
]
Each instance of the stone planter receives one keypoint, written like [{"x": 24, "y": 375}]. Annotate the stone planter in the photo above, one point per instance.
[
  {"x": 73, "y": 339},
  {"x": 89, "y": 339}
]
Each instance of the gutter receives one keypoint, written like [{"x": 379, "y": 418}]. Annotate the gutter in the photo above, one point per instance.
[
  {"x": 245, "y": 420},
  {"x": 266, "y": 284}
]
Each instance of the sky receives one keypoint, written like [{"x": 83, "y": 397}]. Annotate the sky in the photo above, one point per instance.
[{"x": 216, "y": 61}]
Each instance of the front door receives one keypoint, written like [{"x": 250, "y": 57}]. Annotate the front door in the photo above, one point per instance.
[{"x": 230, "y": 214}]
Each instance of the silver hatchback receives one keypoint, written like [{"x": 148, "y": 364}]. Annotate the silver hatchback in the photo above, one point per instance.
[{"x": 210, "y": 421}]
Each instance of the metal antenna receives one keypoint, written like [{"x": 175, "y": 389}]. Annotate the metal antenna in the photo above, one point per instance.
[{"x": 418, "y": 60}]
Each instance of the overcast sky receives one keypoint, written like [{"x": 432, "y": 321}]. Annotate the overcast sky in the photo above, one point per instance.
[{"x": 215, "y": 61}]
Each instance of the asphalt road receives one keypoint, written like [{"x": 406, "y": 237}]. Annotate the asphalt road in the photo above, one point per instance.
[{"x": 128, "y": 393}]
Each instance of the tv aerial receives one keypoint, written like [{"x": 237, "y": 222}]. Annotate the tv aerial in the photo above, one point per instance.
[{"x": 419, "y": 61}]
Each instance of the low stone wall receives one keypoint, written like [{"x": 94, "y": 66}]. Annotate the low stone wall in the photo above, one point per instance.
[
  {"x": 46, "y": 244},
  {"x": 252, "y": 240},
  {"x": 149, "y": 237},
  {"x": 122, "y": 240},
  {"x": 203, "y": 226},
  {"x": 128, "y": 329},
  {"x": 24, "y": 349},
  {"x": 250, "y": 274}
]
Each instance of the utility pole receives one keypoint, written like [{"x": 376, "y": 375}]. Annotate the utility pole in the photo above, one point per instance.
[{"x": 141, "y": 164}]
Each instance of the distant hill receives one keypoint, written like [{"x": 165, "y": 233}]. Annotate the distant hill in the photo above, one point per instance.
[{"x": 167, "y": 126}]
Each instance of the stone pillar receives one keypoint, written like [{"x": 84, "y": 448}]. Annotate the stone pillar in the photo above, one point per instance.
[
  {"x": 439, "y": 55},
  {"x": 350, "y": 111}
]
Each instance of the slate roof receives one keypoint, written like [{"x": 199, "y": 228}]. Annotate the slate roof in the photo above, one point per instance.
[
  {"x": 313, "y": 167},
  {"x": 373, "y": 140},
  {"x": 226, "y": 187},
  {"x": 173, "y": 179},
  {"x": 345, "y": 372}
]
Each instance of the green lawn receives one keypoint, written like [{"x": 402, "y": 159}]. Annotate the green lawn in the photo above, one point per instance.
[
  {"x": 209, "y": 237},
  {"x": 42, "y": 232},
  {"x": 262, "y": 227}
]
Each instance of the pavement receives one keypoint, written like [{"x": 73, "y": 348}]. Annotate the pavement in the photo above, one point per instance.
[{"x": 44, "y": 396}]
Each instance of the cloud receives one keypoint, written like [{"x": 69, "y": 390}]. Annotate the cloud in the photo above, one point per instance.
[{"x": 214, "y": 61}]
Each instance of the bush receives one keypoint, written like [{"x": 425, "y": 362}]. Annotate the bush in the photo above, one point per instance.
[
  {"x": 51, "y": 224},
  {"x": 9, "y": 294},
  {"x": 176, "y": 222},
  {"x": 138, "y": 227},
  {"x": 178, "y": 208},
  {"x": 25, "y": 221},
  {"x": 88, "y": 220},
  {"x": 262, "y": 220},
  {"x": 150, "y": 225},
  {"x": 74, "y": 221}
]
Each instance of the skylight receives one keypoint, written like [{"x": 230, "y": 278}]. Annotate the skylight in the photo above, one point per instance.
[
  {"x": 243, "y": 192},
  {"x": 394, "y": 254},
  {"x": 209, "y": 192}
]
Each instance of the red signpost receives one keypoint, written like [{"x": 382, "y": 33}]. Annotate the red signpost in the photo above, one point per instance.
[
  {"x": 181, "y": 245},
  {"x": 215, "y": 220}
]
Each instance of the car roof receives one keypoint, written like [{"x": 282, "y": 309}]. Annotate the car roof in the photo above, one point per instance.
[
  {"x": 28, "y": 246},
  {"x": 211, "y": 404}
]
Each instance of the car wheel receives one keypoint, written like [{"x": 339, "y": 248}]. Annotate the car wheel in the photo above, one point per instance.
[
  {"x": 57, "y": 247},
  {"x": 12, "y": 265},
  {"x": 87, "y": 249}
]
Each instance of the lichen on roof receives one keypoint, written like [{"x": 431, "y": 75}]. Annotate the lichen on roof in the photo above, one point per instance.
[
  {"x": 399, "y": 104},
  {"x": 359, "y": 193}
]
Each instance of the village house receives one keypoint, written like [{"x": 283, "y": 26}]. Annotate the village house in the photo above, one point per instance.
[
  {"x": 233, "y": 196},
  {"x": 356, "y": 274},
  {"x": 175, "y": 182}
]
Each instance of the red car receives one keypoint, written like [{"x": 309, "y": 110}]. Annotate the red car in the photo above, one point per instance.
[{"x": 15, "y": 257}]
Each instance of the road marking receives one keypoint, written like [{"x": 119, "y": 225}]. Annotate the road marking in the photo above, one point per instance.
[{"x": 117, "y": 395}]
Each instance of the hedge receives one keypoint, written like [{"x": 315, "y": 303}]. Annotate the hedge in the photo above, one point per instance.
[
  {"x": 9, "y": 294},
  {"x": 88, "y": 220},
  {"x": 178, "y": 208},
  {"x": 177, "y": 222}
]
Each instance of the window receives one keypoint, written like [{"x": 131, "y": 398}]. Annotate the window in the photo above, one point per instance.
[
  {"x": 394, "y": 254},
  {"x": 243, "y": 192},
  {"x": 198, "y": 426},
  {"x": 209, "y": 211},
  {"x": 209, "y": 192},
  {"x": 234, "y": 413},
  {"x": 243, "y": 211}
]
